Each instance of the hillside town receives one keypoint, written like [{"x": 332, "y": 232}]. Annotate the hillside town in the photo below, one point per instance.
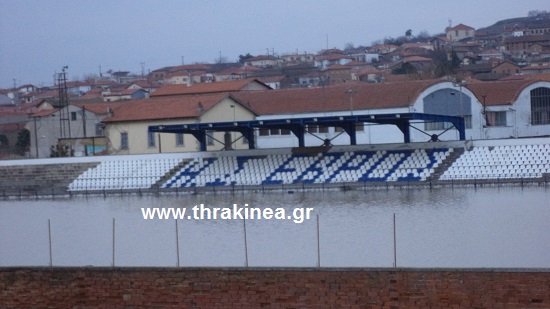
[{"x": 490, "y": 69}]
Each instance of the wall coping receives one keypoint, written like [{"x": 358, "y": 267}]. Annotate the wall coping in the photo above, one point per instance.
[{"x": 277, "y": 269}]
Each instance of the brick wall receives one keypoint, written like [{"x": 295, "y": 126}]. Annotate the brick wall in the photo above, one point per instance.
[{"x": 272, "y": 288}]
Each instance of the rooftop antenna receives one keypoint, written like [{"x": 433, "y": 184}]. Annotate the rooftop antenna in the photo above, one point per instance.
[
  {"x": 450, "y": 23},
  {"x": 142, "y": 69},
  {"x": 100, "y": 73},
  {"x": 182, "y": 62},
  {"x": 327, "y": 41}
]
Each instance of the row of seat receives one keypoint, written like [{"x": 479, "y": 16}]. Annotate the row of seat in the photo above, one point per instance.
[
  {"x": 396, "y": 165},
  {"x": 124, "y": 174},
  {"x": 517, "y": 161}
]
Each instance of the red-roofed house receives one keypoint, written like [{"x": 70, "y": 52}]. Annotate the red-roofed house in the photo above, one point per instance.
[
  {"x": 263, "y": 61},
  {"x": 460, "y": 32},
  {"x": 125, "y": 94},
  {"x": 236, "y": 73},
  {"x": 127, "y": 128}
]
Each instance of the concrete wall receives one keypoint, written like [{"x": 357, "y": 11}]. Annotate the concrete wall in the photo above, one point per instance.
[
  {"x": 48, "y": 129},
  {"x": 273, "y": 288}
]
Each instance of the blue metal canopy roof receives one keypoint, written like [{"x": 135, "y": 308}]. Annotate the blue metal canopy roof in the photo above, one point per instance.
[{"x": 297, "y": 125}]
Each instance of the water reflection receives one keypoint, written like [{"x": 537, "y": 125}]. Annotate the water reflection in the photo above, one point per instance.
[{"x": 488, "y": 227}]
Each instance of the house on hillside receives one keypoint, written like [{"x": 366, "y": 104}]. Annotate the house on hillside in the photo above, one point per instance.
[
  {"x": 459, "y": 32},
  {"x": 125, "y": 94},
  {"x": 127, "y": 129},
  {"x": 186, "y": 78},
  {"x": 326, "y": 60},
  {"x": 150, "y": 87},
  {"x": 236, "y": 73},
  {"x": 337, "y": 74},
  {"x": 263, "y": 61},
  {"x": 298, "y": 58}
]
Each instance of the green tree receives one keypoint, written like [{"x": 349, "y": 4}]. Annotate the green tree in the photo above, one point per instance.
[
  {"x": 405, "y": 68},
  {"x": 4, "y": 142},
  {"x": 23, "y": 142},
  {"x": 60, "y": 150},
  {"x": 243, "y": 58},
  {"x": 408, "y": 34}
]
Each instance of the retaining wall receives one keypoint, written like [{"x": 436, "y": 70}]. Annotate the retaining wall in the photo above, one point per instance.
[{"x": 273, "y": 288}]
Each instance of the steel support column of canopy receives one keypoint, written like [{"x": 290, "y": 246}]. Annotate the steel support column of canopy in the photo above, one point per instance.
[
  {"x": 351, "y": 130},
  {"x": 404, "y": 127},
  {"x": 299, "y": 131}
]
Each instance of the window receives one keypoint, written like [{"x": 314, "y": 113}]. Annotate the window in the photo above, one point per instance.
[
  {"x": 496, "y": 119},
  {"x": 360, "y": 127},
  {"x": 285, "y": 132},
  {"x": 467, "y": 121},
  {"x": 210, "y": 137},
  {"x": 437, "y": 126},
  {"x": 99, "y": 129},
  {"x": 323, "y": 129},
  {"x": 540, "y": 106},
  {"x": 312, "y": 129},
  {"x": 179, "y": 139},
  {"x": 73, "y": 116},
  {"x": 123, "y": 140},
  {"x": 151, "y": 139},
  {"x": 264, "y": 132},
  {"x": 274, "y": 131}
]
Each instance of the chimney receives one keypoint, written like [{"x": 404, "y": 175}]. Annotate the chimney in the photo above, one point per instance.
[
  {"x": 200, "y": 107},
  {"x": 189, "y": 80}
]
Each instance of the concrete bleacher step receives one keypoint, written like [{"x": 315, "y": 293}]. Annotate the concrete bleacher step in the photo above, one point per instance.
[
  {"x": 444, "y": 166},
  {"x": 34, "y": 178},
  {"x": 173, "y": 171}
]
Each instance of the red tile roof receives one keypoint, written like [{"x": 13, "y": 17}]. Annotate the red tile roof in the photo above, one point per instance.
[
  {"x": 498, "y": 92},
  {"x": 260, "y": 58},
  {"x": 334, "y": 98},
  {"x": 103, "y": 107},
  {"x": 45, "y": 112},
  {"x": 198, "y": 88},
  {"x": 460, "y": 27},
  {"x": 168, "y": 107},
  {"x": 241, "y": 70},
  {"x": 417, "y": 59},
  {"x": 335, "y": 67},
  {"x": 121, "y": 92},
  {"x": 190, "y": 67},
  {"x": 12, "y": 127},
  {"x": 145, "y": 84},
  {"x": 369, "y": 71}
]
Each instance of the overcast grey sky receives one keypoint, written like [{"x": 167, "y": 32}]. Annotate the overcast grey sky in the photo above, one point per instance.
[{"x": 39, "y": 37}]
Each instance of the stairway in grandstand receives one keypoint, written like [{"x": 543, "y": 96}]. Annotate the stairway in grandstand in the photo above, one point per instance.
[
  {"x": 335, "y": 167},
  {"x": 446, "y": 164}
]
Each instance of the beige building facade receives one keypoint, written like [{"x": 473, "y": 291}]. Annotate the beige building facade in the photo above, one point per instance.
[{"x": 132, "y": 136}]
